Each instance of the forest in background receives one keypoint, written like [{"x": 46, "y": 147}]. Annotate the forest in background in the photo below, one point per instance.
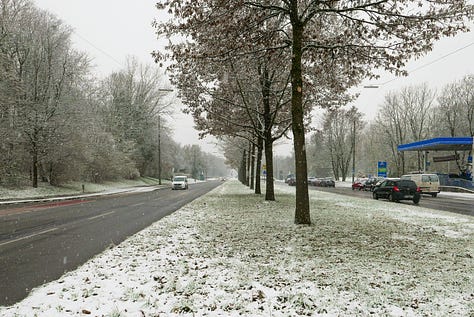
[{"x": 59, "y": 123}]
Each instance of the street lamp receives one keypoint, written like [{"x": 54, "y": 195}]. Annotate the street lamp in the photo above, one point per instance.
[
  {"x": 159, "y": 150},
  {"x": 353, "y": 149}
]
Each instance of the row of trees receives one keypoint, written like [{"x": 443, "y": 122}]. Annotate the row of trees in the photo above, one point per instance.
[
  {"x": 253, "y": 70},
  {"x": 59, "y": 123},
  {"x": 411, "y": 114}
]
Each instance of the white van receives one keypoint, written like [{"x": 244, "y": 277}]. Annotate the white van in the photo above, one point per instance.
[
  {"x": 428, "y": 183},
  {"x": 179, "y": 182}
]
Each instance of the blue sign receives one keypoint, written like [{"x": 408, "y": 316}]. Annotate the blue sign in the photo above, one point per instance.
[{"x": 382, "y": 169}]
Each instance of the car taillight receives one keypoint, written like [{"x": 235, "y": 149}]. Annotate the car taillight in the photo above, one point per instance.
[
  {"x": 395, "y": 188},
  {"x": 418, "y": 189}
]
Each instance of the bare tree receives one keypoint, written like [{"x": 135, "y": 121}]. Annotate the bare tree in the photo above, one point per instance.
[
  {"x": 340, "y": 129},
  {"x": 456, "y": 112},
  {"x": 337, "y": 40}
]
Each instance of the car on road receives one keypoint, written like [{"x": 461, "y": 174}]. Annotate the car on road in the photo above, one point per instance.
[
  {"x": 179, "y": 182},
  {"x": 328, "y": 182},
  {"x": 428, "y": 183},
  {"x": 370, "y": 184},
  {"x": 315, "y": 182},
  {"x": 291, "y": 181},
  {"x": 396, "y": 190},
  {"x": 288, "y": 177},
  {"x": 359, "y": 184}
]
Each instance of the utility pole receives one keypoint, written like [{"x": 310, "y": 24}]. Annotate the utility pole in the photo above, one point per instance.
[
  {"x": 353, "y": 149},
  {"x": 159, "y": 150}
]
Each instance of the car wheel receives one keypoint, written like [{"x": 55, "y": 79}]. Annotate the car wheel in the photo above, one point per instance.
[
  {"x": 374, "y": 195},
  {"x": 434, "y": 195},
  {"x": 390, "y": 198},
  {"x": 416, "y": 200}
]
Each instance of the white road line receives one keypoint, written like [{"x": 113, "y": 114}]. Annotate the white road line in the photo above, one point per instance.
[
  {"x": 29, "y": 236},
  {"x": 139, "y": 204},
  {"x": 102, "y": 215}
]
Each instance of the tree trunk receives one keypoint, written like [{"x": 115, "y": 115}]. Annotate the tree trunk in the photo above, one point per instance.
[
  {"x": 258, "y": 171},
  {"x": 243, "y": 168},
  {"x": 252, "y": 167},
  {"x": 34, "y": 168},
  {"x": 267, "y": 122},
  {"x": 302, "y": 211},
  {"x": 270, "y": 188},
  {"x": 249, "y": 159}
]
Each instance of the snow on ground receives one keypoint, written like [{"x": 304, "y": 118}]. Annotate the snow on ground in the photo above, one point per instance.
[
  {"x": 74, "y": 188},
  {"x": 230, "y": 253}
]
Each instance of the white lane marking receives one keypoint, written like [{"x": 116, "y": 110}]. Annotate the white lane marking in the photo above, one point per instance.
[
  {"x": 102, "y": 215},
  {"x": 139, "y": 204},
  {"x": 29, "y": 236}
]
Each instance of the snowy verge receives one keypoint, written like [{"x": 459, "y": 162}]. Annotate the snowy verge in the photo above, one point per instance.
[{"x": 230, "y": 253}]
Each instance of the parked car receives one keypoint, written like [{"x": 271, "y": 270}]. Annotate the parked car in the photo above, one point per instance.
[
  {"x": 291, "y": 181},
  {"x": 370, "y": 184},
  {"x": 428, "y": 183},
  {"x": 358, "y": 184},
  {"x": 396, "y": 190},
  {"x": 328, "y": 182},
  {"x": 288, "y": 177},
  {"x": 179, "y": 182}
]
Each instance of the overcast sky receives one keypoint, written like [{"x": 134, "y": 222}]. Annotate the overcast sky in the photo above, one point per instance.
[{"x": 111, "y": 30}]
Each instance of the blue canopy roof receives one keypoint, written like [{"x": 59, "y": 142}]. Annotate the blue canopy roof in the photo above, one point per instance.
[{"x": 439, "y": 144}]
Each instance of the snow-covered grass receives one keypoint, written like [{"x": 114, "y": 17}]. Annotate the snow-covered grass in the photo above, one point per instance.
[
  {"x": 46, "y": 190},
  {"x": 230, "y": 253}
]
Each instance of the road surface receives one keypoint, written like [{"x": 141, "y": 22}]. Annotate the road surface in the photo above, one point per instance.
[
  {"x": 445, "y": 202},
  {"x": 39, "y": 243}
]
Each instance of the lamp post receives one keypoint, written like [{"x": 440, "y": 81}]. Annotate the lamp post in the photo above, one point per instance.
[
  {"x": 353, "y": 149},
  {"x": 159, "y": 150}
]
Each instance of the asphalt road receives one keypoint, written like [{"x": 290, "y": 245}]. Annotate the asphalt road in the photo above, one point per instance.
[
  {"x": 455, "y": 204},
  {"x": 39, "y": 243}
]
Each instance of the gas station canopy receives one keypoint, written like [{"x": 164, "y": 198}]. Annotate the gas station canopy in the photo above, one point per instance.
[{"x": 440, "y": 144}]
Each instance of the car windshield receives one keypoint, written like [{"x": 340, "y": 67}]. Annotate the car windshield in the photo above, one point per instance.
[{"x": 179, "y": 179}]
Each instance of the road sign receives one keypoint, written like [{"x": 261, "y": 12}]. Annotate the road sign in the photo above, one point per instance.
[{"x": 382, "y": 169}]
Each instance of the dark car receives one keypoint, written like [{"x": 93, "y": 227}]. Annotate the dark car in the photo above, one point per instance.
[
  {"x": 396, "y": 190},
  {"x": 316, "y": 181},
  {"x": 288, "y": 177},
  {"x": 328, "y": 182},
  {"x": 370, "y": 184},
  {"x": 291, "y": 181}
]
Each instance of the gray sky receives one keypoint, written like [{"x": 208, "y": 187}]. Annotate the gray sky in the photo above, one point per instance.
[{"x": 111, "y": 30}]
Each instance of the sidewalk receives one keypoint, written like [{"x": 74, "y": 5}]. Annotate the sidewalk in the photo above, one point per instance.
[
  {"x": 79, "y": 196},
  {"x": 230, "y": 253},
  {"x": 47, "y": 193}
]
